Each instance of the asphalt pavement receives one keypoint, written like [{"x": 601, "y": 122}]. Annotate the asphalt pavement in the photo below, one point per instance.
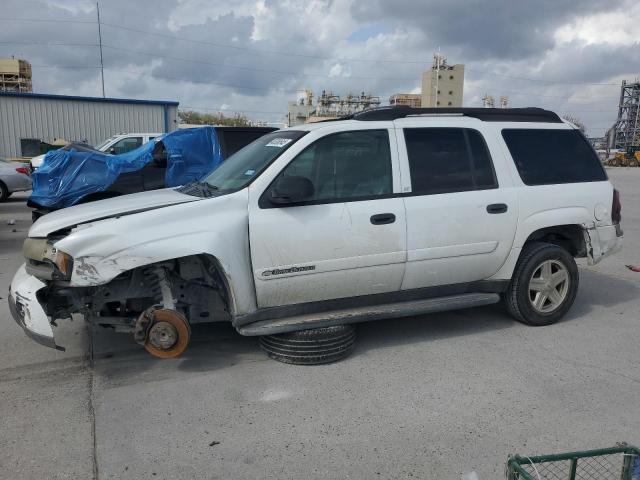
[{"x": 429, "y": 397}]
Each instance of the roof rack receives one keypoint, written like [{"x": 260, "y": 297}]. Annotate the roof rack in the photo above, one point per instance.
[{"x": 529, "y": 114}]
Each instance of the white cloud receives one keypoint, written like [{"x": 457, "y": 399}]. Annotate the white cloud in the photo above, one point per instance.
[
  {"x": 341, "y": 45},
  {"x": 615, "y": 28}
]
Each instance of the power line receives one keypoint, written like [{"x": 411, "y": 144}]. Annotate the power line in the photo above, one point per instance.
[
  {"x": 188, "y": 80},
  {"x": 293, "y": 54},
  {"x": 239, "y": 67},
  {"x": 44, "y": 20},
  {"x": 257, "y": 50},
  {"x": 541, "y": 80},
  {"x": 65, "y": 66},
  {"x": 50, "y": 44}
]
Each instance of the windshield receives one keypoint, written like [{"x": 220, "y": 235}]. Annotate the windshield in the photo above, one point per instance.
[
  {"x": 246, "y": 164},
  {"x": 102, "y": 144}
]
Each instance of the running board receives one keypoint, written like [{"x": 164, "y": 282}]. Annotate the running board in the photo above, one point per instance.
[{"x": 368, "y": 313}]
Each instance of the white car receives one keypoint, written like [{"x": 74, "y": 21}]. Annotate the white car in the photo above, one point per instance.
[
  {"x": 14, "y": 177},
  {"x": 117, "y": 144},
  {"x": 390, "y": 213}
]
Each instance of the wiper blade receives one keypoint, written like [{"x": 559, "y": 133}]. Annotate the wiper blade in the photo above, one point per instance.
[{"x": 201, "y": 189}]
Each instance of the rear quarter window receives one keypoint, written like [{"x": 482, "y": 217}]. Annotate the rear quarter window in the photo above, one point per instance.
[{"x": 546, "y": 157}]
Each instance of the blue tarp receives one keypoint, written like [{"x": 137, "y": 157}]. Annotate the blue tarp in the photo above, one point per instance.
[{"x": 68, "y": 175}]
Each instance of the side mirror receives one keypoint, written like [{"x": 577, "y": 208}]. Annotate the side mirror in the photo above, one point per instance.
[
  {"x": 112, "y": 150},
  {"x": 291, "y": 190}
]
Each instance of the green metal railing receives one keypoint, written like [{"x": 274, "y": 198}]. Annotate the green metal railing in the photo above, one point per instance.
[{"x": 618, "y": 463}]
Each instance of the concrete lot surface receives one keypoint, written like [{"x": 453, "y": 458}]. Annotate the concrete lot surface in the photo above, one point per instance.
[{"x": 430, "y": 397}]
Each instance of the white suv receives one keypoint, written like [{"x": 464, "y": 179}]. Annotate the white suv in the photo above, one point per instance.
[{"x": 389, "y": 213}]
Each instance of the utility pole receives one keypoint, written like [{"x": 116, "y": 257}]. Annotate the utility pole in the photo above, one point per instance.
[
  {"x": 435, "y": 103},
  {"x": 100, "y": 42}
]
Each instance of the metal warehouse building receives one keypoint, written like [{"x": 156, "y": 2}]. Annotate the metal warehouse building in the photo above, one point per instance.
[{"x": 25, "y": 116}]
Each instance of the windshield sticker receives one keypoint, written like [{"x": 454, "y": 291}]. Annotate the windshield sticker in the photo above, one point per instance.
[
  {"x": 278, "y": 142},
  {"x": 249, "y": 173}
]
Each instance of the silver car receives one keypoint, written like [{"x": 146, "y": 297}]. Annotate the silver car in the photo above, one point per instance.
[{"x": 14, "y": 177}]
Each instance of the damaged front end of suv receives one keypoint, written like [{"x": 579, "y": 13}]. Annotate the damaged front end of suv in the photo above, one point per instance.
[{"x": 123, "y": 282}]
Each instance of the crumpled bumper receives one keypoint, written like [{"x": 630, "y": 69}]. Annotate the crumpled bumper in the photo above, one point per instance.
[
  {"x": 27, "y": 311},
  {"x": 602, "y": 242}
]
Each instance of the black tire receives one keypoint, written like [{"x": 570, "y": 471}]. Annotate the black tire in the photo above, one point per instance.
[
  {"x": 4, "y": 192},
  {"x": 311, "y": 347},
  {"x": 518, "y": 299}
]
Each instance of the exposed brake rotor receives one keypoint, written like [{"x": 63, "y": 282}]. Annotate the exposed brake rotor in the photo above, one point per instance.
[{"x": 164, "y": 333}]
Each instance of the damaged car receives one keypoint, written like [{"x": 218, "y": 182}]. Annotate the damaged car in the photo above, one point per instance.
[
  {"x": 388, "y": 213},
  {"x": 123, "y": 164}
]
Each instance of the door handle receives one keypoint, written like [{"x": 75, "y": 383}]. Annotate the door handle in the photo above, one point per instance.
[
  {"x": 383, "y": 218},
  {"x": 497, "y": 208}
]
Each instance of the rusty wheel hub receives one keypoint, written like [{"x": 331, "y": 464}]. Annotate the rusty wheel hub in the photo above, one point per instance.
[{"x": 164, "y": 333}]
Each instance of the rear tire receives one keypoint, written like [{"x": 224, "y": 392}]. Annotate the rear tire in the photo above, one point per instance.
[
  {"x": 544, "y": 285},
  {"x": 4, "y": 192},
  {"x": 311, "y": 347}
]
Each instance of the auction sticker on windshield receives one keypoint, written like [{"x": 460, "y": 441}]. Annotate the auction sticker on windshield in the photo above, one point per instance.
[{"x": 278, "y": 142}]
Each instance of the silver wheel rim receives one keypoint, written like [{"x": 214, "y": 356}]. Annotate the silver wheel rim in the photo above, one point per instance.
[{"x": 548, "y": 286}]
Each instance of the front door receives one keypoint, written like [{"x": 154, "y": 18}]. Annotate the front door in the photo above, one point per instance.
[{"x": 348, "y": 239}]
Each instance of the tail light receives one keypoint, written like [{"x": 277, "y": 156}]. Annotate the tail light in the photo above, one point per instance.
[
  {"x": 616, "y": 207},
  {"x": 24, "y": 170}
]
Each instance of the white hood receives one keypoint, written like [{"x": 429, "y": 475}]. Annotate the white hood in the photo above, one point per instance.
[{"x": 111, "y": 207}]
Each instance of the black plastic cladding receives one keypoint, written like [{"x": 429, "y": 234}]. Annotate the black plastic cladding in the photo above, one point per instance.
[{"x": 530, "y": 114}]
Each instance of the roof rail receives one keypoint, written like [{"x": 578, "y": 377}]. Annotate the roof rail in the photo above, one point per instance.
[{"x": 529, "y": 114}]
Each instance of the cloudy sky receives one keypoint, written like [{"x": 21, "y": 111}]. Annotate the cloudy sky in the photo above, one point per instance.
[{"x": 254, "y": 56}]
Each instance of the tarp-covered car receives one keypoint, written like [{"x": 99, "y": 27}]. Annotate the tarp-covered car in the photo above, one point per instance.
[{"x": 78, "y": 173}]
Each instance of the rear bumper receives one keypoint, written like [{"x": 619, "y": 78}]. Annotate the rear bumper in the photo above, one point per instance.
[
  {"x": 602, "y": 242},
  {"x": 27, "y": 311}
]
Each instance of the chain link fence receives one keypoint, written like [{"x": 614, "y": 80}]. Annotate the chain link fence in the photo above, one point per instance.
[{"x": 618, "y": 463}]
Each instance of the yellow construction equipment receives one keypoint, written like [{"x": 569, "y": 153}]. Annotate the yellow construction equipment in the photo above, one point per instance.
[{"x": 630, "y": 158}]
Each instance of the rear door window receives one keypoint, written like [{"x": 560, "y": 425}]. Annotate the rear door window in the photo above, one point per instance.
[
  {"x": 545, "y": 157},
  {"x": 445, "y": 160}
]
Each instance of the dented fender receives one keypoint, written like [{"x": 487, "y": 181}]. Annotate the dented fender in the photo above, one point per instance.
[{"x": 217, "y": 227}]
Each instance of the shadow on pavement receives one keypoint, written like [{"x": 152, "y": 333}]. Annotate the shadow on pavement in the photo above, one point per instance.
[
  {"x": 218, "y": 345},
  {"x": 600, "y": 290}
]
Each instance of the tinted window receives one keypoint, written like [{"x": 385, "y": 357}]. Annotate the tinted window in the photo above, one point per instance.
[
  {"x": 545, "y": 157},
  {"x": 346, "y": 165},
  {"x": 235, "y": 140},
  {"x": 448, "y": 160}
]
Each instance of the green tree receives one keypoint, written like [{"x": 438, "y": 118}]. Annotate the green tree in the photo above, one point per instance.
[{"x": 196, "y": 118}]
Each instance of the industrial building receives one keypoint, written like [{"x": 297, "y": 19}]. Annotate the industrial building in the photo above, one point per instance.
[
  {"x": 489, "y": 101},
  {"x": 413, "y": 100},
  {"x": 443, "y": 84},
  {"x": 15, "y": 75},
  {"x": 26, "y": 118},
  {"x": 626, "y": 131},
  {"x": 328, "y": 106}
]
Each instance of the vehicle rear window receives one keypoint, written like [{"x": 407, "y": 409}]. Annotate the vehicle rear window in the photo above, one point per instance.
[
  {"x": 445, "y": 160},
  {"x": 545, "y": 157}
]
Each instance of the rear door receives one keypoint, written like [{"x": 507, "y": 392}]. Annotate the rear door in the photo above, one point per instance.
[
  {"x": 349, "y": 239},
  {"x": 461, "y": 206}
]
